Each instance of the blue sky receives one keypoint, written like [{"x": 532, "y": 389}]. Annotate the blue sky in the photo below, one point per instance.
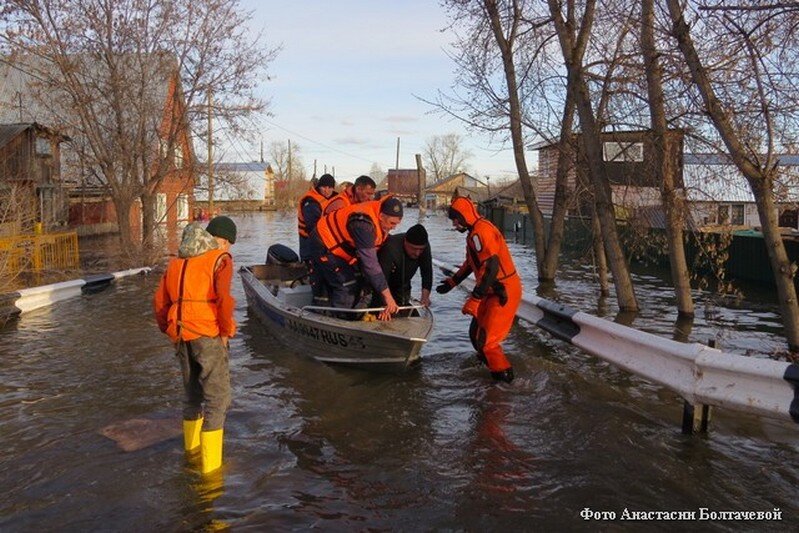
[{"x": 344, "y": 83}]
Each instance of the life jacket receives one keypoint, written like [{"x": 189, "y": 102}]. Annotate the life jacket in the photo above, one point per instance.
[
  {"x": 339, "y": 201},
  {"x": 335, "y": 235},
  {"x": 316, "y": 196},
  {"x": 483, "y": 241},
  {"x": 190, "y": 284}
]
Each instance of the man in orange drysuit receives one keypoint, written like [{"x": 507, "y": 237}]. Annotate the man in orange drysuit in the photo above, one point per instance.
[{"x": 498, "y": 289}]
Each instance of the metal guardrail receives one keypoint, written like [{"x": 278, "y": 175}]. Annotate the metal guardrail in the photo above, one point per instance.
[
  {"x": 700, "y": 374},
  {"x": 26, "y": 300}
]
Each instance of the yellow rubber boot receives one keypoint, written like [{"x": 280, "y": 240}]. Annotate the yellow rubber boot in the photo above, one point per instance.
[
  {"x": 191, "y": 434},
  {"x": 211, "y": 450}
]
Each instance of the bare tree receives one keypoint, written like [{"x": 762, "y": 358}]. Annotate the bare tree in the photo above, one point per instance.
[
  {"x": 573, "y": 40},
  {"x": 750, "y": 97},
  {"x": 124, "y": 79},
  {"x": 503, "y": 64},
  {"x": 664, "y": 168},
  {"x": 290, "y": 173},
  {"x": 445, "y": 156},
  {"x": 377, "y": 173}
]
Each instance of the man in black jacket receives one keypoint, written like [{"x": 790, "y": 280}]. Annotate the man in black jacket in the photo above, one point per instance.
[{"x": 400, "y": 257}]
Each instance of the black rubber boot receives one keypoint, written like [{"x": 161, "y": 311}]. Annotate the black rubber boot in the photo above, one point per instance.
[
  {"x": 504, "y": 375},
  {"x": 482, "y": 358}
]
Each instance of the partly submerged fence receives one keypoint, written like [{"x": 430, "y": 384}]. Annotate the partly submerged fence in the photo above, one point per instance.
[
  {"x": 36, "y": 253},
  {"x": 702, "y": 375}
]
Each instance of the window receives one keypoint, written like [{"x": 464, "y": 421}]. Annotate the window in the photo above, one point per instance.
[
  {"x": 43, "y": 146},
  {"x": 178, "y": 156},
  {"x": 724, "y": 214},
  {"x": 623, "y": 152},
  {"x": 183, "y": 207},
  {"x": 737, "y": 218}
]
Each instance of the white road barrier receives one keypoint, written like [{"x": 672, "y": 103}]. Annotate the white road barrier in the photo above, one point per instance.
[
  {"x": 700, "y": 374},
  {"x": 26, "y": 300}
]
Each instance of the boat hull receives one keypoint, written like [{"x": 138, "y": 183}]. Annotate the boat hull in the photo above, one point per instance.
[{"x": 388, "y": 346}]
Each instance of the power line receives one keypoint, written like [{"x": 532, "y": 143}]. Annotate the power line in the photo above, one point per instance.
[{"x": 301, "y": 136}]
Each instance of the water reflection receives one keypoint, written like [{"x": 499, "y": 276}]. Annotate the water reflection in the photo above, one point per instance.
[{"x": 441, "y": 448}]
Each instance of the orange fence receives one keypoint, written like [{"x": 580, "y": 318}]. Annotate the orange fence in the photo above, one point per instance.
[{"x": 35, "y": 253}]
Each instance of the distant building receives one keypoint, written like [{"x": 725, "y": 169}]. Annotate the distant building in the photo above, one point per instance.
[
  {"x": 629, "y": 158},
  {"x": 508, "y": 195},
  {"x": 460, "y": 184},
  {"x": 404, "y": 183},
  {"x": 246, "y": 186},
  {"x": 31, "y": 189},
  {"x": 24, "y": 99},
  {"x": 719, "y": 195}
]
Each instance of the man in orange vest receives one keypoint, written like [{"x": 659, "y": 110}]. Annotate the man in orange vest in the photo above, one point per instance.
[
  {"x": 350, "y": 238},
  {"x": 193, "y": 306},
  {"x": 363, "y": 190},
  {"x": 498, "y": 289},
  {"x": 310, "y": 210}
]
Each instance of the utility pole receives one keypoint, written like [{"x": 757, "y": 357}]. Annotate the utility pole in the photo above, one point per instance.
[
  {"x": 210, "y": 162},
  {"x": 262, "y": 150},
  {"x": 314, "y": 168},
  {"x": 396, "y": 166},
  {"x": 421, "y": 184}
]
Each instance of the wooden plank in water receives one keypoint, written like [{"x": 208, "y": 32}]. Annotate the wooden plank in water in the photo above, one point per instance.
[{"x": 138, "y": 433}]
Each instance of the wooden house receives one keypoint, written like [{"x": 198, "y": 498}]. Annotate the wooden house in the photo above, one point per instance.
[
  {"x": 460, "y": 184},
  {"x": 404, "y": 183},
  {"x": 31, "y": 189},
  {"x": 629, "y": 158},
  {"x": 719, "y": 195},
  {"x": 26, "y": 99}
]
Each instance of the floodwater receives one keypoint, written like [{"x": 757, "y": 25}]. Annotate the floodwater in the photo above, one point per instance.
[{"x": 440, "y": 448}]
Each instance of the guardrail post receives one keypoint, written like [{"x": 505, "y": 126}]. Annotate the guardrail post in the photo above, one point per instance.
[{"x": 696, "y": 418}]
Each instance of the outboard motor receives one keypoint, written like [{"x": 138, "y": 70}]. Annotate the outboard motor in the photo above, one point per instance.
[{"x": 280, "y": 254}]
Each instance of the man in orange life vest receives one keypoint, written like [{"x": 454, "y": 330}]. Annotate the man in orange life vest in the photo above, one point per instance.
[
  {"x": 350, "y": 238},
  {"x": 498, "y": 289},
  {"x": 193, "y": 306},
  {"x": 310, "y": 210},
  {"x": 363, "y": 190}
]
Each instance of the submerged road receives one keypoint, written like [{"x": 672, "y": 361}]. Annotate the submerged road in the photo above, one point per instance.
[{"x": 442, "y": 447}]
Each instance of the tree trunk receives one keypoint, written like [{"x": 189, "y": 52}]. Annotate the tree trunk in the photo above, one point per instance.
[
  {"x": 759, "y": 175},
  {"x": 622, "y": 281},
  {"x": 506, "y": 48},
  {"x": 663, "y": 167},
  {"x": 600, "y": 260},
  {"x": 573, "y": 54},
  {"x": 562, "y": 193},
  {"x": 782, "y": 267},
  {"x": 122, "y": 204},
  {"x": 148, "y": 223}
]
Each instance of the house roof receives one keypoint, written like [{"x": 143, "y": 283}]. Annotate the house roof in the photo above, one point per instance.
[
  {"x": 250, "y": 166},
  {"x": 510, "y": 190},
  {"x": 10, "y": 131},
  {"x": 27, "y": 98},
  {"x": 447, "y": 184},
  {"x": 709, "y": 179},
  {"x": 724, "y": 159},
  {"x": 243, "y": 181}
]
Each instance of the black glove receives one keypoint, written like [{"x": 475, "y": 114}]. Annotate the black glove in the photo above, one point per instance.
[
  {"x": 501, "y": 293},
  {"x": 446, "y": 286}
]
